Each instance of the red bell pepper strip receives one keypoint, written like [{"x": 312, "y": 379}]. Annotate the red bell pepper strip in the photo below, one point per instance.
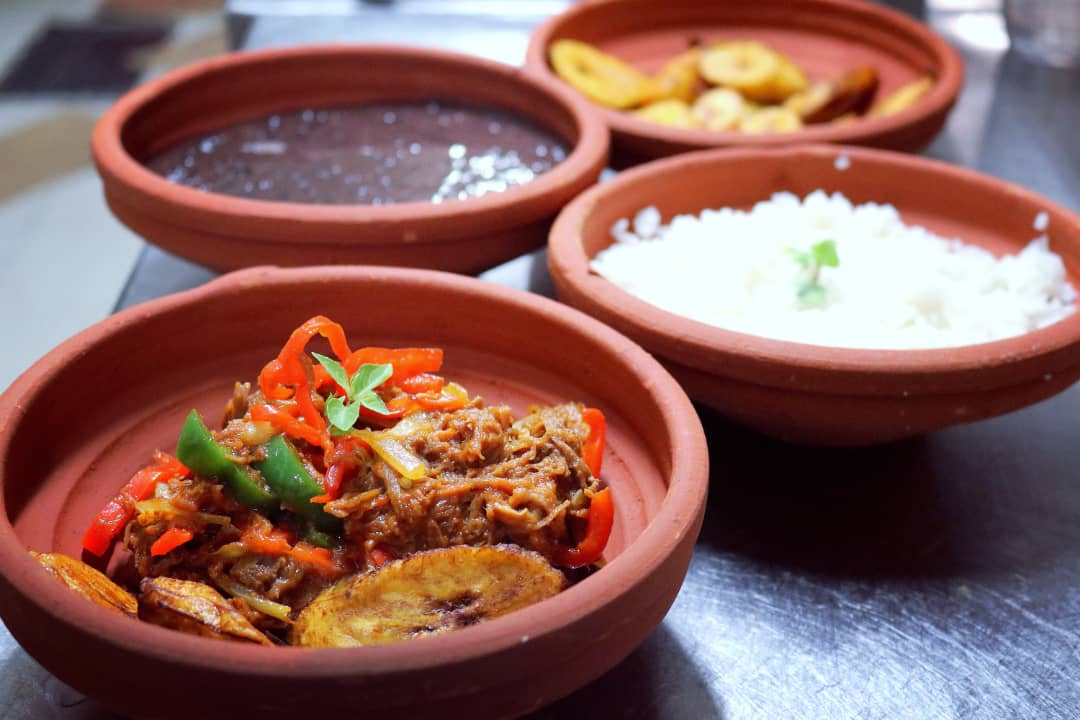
[
  {"x": 593, "y": 450},
  {"x": 597, "y": 532},
  {"x": 116, "y": 514},
  {"x": 270, "y": 380},
  {"x": 291, "y": 368},
  {"x": 395, "y": 413},
  {"x": 170, "y": 540},
  {"x": 379, "y": 557},
  {"x": 344, "y": 457}
]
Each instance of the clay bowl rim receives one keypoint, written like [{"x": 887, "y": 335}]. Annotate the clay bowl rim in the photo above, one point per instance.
[
  {"x": 943, "y": 94},
  {"x": 116, "y": 164},
  {"x": 682, "y": 505},
  {"x": 834, "y": 369}
]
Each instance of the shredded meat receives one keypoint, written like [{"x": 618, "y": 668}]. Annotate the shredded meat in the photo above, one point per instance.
[
  {"x": 238, "y": 406},
  {"x": 489, "y": 480}
]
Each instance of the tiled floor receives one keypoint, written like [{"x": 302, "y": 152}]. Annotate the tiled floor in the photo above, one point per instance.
[{"x": 65, "y": 258}]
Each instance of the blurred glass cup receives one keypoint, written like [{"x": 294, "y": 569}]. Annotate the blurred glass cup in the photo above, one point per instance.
[{"x": 1046, "y": 31}]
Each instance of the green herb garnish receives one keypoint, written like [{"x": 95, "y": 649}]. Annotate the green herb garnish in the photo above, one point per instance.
[
  {"x": 359, "y": 392},
  {"x": 821, "y": 254}
]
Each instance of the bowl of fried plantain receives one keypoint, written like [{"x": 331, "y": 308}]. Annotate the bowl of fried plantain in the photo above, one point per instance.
[{"x": 672, "y": 77}]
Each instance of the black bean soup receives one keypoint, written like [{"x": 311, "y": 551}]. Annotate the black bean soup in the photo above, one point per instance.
[{"x": 373, "y": 154}]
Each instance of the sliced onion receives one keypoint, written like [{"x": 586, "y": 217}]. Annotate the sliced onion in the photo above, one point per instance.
[
  {"x": 254, "y": 433},
  {"x": 231, "y": 551},
  {"x": 256, "y": 603},
  {"x": 456, "y": 391},
  {"x": 157, "y": 506},
  {"x": 394, "y": 452}
]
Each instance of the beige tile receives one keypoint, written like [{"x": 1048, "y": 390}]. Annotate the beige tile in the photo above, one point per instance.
[{"x": 41, "y": 151}]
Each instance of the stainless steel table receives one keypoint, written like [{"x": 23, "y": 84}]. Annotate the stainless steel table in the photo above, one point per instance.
[{"x": 933, "y": 578}]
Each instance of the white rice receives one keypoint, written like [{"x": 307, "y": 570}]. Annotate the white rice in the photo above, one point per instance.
[{"x": 896, "y": 286}]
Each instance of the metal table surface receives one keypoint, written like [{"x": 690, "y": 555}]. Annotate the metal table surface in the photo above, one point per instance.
[{"x": 933, "y": 578}]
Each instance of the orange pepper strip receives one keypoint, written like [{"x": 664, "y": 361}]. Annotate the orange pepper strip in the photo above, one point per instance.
[
  {"x": 597, "y": 533},
  {"x": 315, "y": 557},
  {"x": 286, "y": 423},
  {"x": 407, "y": 362},
  {"x": 408, "y": 404},
  {"x": 170, "y": 540},
  {"x": 422, "y": 383},
  {"x": 445, "y": 403},
  {"x": 593, "y": 451},
  {"x": 273, "y": 542},
  {"x": 116, "y": 514}
]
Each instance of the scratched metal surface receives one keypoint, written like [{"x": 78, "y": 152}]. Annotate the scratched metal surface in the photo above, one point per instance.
[{"x": 934, "y": 578}]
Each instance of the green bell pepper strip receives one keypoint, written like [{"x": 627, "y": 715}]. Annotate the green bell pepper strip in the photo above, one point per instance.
[
  {"x": 204, "y": 456},
  {"x": 319, "y": 539},
  {"x": 291, "y": 481}
]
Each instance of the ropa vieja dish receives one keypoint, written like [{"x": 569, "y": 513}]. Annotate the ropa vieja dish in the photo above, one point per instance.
[{"x": 351, "y": 499}]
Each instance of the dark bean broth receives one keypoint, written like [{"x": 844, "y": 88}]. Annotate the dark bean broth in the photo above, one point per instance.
[{"x": 372, "y": 154}]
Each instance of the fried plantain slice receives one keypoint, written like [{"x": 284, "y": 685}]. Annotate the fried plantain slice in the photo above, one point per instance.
[
  {"x": 850, "y": 93},
  {"x": 671, "y": 112},
  {"x": 719, "y": 109},
  {"x": 92, "y": 584},
  {"x": 742, "y": 65},
  {"x": 902, "y": 98},
  {"x": 789, "y": 80},
  {"x": 770, "y": 119},
  {"x": 678, "y": 79},
  {"x": 427, "y": 593},
  {"x": 603, "y": 78},
  {"x": 194, "y": 608},
  {"x": 754, "y": 69}
]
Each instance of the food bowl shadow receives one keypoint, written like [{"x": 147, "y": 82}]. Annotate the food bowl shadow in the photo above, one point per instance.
[
  {"x": 658, "y": 680},
  {"x": 904, "y": 511}
]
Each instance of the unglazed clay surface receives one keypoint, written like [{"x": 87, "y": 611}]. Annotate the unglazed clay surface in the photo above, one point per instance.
[
  {"x": 815, "y": 394},
  {"x": 132, "y": 399},
  {"x": 225, "y": 232},
  {"x": 824, "y": 37}
]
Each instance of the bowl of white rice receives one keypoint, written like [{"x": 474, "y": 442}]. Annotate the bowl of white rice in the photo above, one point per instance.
[{"x": 831, "y": 295}]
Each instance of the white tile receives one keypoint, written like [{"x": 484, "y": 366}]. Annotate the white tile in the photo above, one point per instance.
[{"x": 65, "y": 261}]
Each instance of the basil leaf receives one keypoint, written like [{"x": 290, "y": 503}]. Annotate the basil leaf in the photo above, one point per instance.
[
  {"x": 341, "y": 416},
  {"x": 372, "y": 402},
  {"x": 825, "y": 253},
  {"x": 335, "y": 369},
  {"x": 368, "y": 377},
  {"x": 803, "y": 258}
]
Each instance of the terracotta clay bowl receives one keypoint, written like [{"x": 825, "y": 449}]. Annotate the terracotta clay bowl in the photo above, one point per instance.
[
  {"x": 824, "y": 37},
  {"x": 813, "y": 394},
  {"x": 225, "y": 232},
  {"x": 76, "y": 425}
]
